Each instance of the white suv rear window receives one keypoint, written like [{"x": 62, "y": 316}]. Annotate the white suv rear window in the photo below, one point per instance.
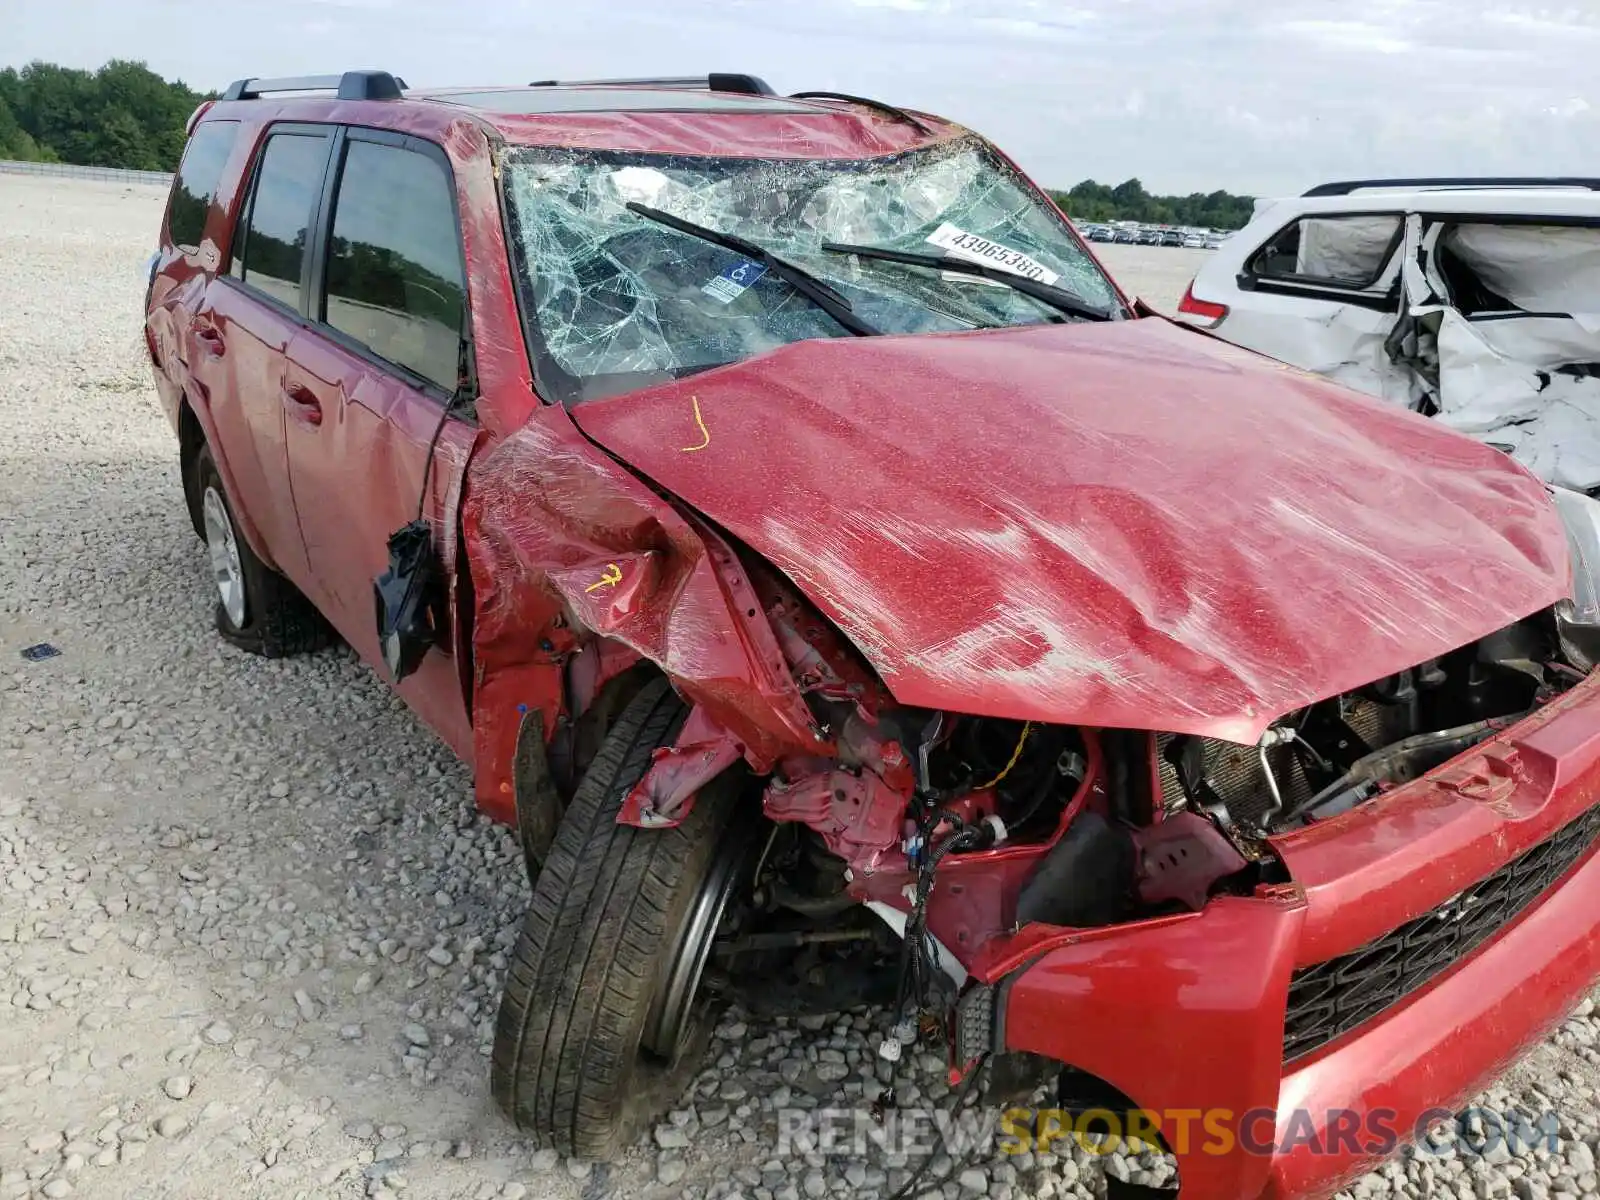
[{"x": 1343, "y": 251}]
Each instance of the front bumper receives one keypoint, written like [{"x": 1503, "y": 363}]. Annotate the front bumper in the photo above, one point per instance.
[{"x": 1185, "y": 1015}]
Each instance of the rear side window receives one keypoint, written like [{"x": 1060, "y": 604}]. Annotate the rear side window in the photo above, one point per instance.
[
  {"x": 1347, "y": 251},
  {"x": 394, "y": 279},
  {"x": 195, "y": 186},
  {"x": 287, "y": 184}
]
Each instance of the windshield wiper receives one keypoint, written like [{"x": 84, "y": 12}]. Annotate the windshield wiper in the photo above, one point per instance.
[
  {"x": 801, "y": 280},
  {"x": 1059, "y": 299}
]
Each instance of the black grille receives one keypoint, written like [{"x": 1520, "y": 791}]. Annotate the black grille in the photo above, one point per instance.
[{"x": 1334, "y": 997}]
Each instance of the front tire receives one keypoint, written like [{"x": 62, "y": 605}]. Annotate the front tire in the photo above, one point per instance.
[
  {"x": 600, "y": 1023},
  {"x": 257, "y": 609}
]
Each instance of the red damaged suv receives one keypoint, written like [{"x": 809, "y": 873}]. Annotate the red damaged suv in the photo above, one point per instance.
[{"x": 806, "y": 542}]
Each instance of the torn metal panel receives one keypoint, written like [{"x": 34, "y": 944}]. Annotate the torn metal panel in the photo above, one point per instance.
[
  {"x": 1085, "y": 524},
  {"x": 858, "y": 815},
  {"x": 566, "y": 546},
  {"x": 1548, "y": 419},
  {"x": 703, "y": 750},
  {"x": 1524, "y": 380},
  {"x": 1420, "y": 271}
]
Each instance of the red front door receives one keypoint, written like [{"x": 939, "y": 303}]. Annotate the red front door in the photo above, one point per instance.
[
  {"x": 357, "y": 438},
  {"x": 367, "y": 389}
]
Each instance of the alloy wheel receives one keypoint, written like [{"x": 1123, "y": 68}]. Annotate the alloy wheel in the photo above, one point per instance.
[{"x": 222, "y": 546}]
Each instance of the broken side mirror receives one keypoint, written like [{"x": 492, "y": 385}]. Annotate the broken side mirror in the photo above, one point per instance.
[
  {"x": 403, "y": 599},
  {"x": 406, "y": 597}
]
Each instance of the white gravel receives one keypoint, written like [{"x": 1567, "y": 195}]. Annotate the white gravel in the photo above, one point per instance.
[{"x": 251, "y": 929}]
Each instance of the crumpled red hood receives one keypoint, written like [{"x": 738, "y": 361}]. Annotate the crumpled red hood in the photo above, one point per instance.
[{"x": 1115, "y": 525}]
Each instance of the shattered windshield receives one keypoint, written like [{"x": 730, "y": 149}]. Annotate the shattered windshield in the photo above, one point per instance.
[{"x": 618, "y": 301}]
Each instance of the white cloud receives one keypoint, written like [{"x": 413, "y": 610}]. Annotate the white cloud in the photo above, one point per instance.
[
  {"x": 905, "y": 5},
  {"x": 1355, "y": 36},
  {"x": 1541, "y": 21},
  {"x": 1191, "y": 95}
]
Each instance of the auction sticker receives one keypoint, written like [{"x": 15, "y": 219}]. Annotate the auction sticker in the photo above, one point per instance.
[
  {"x": 734, "y": 281},
  {"x": 976, "y": 248}
]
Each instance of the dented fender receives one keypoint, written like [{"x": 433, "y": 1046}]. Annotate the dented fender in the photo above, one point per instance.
[{"x": 565, "y": 546}]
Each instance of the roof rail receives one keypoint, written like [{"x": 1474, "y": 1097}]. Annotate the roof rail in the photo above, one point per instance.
[
  {"x": 889, "y": 110},
  {"x": 743, "y": 85},
  {"x": 352, "y": 85},
  {"x": 1345, "y": 187}
]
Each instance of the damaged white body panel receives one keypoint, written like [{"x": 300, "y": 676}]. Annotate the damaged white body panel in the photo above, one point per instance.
[
  {"x": 1480, "y": 307},
  {"x": 1504, "y": 383}
]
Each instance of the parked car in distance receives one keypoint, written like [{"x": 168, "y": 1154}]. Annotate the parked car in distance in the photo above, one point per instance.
[
  {"x": 1100, "y": 233},
  {"x": 1491, "y": 333},
  {"x": 1125, "y": 237},
  {"x": 808, "y": 581},
  {"x": 1194, "y": 241},
  {"x": 1171, "y": 237}
]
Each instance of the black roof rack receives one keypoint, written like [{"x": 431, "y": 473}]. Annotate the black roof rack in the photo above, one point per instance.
[
  {"x": 352, "y": 85},
  {"x": 1345, "y": 187},
  {"x": 899, "y": 114},
  {"x": 743, "y": 85}
]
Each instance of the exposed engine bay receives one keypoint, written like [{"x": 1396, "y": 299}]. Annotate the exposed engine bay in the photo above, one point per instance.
[
  {"x": 1026, "y": 823},
  {"x": 1331, "y": 756},
  {"x": 937, "y": 847}
]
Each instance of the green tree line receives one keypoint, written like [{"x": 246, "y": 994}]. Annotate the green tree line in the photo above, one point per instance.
[
  {"x": 1128, "y": 201},
  {"x": 123, "y": 115}
]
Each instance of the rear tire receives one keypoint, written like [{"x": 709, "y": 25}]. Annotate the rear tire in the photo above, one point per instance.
[
  {"x": 599, "y": 1024},
  {"x": 257, "y": 609}
]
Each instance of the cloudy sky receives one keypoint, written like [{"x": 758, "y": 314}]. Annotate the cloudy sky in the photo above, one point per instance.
[{"x": 1259, "y": 96}]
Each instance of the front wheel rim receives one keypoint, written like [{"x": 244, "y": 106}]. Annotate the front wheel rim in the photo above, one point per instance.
[
  {"x": 670, "y": 1019},
  {"x": 222, "y": 547}
]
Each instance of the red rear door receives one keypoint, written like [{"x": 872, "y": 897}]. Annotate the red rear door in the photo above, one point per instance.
[{"x": 372, "y": 384}]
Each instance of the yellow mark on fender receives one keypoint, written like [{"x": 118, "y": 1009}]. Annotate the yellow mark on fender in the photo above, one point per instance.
[
  {"x": 700, "y": 424},
  {"x": 609, "y": 578}
]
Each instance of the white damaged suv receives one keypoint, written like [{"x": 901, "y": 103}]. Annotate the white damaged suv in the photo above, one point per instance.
[{"x": 1476, "y": 301}]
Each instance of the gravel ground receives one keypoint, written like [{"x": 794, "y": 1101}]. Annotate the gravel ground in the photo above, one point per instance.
[{"x": 251, "y": 930}]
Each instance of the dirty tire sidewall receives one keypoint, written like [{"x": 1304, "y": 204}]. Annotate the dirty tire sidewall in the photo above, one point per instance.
[
  {"x": 278, "y": 620},
  {"x": 567, "y": 1062}
]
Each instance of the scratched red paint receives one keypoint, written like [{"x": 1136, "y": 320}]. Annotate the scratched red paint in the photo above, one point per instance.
[{"x": 1121, "y": 525}]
